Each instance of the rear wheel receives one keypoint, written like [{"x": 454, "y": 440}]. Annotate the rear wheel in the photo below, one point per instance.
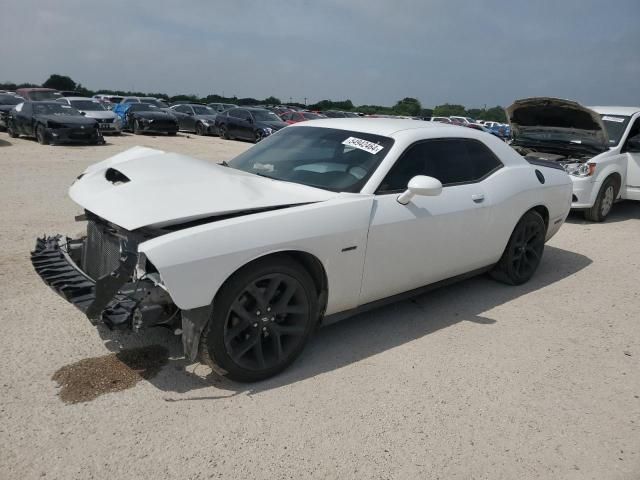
[
  {"x": 41, "y": 135},
  {"x": 604, "y": 201},
  {"x": 262, "y": 318},
  {"x": 522, "y": 256}
]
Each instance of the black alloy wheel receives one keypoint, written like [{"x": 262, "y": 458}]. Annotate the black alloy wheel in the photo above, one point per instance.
[
  {"x": 259, "y": 135},
  {"x": 261, "y": 320},
  {"x": 524, "y": 251},
  {"x": 224, "y": 133},
  {"x": 12, "y": 133},
  {"x": 199, "y": 129}
]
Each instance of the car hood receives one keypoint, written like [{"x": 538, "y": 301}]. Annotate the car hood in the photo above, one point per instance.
[
  {"x": 99, "y": 114},
  {"x": 545, "y": 115},
  {"x": 146, "y": 187},
  {"x": 153, "y": 115},
  {"x": 73, "y": 120}
]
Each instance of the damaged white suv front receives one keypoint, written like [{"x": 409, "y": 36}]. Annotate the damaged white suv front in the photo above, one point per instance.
[{"x": 599, "y": 147}]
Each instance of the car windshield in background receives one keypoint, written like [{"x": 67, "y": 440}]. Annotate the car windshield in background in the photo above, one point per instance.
[
  {"x": 311, "y": 116},
  {"x": 327, "y": 158},
  {"x": 143, "y": 107},
  {"x": 265, "y": 116},
  {"x": 615, "y": 126},
  {"x": 10, "y": 100},
  {"x": 54, "y": 109},
  {"x": 39, "y": 96},
  {"x": 87, "y": 105},
  {"x": 199, "y": 110}
]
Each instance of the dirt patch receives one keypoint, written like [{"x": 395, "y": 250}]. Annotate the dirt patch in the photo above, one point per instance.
[{"x": 87, "y": 379}]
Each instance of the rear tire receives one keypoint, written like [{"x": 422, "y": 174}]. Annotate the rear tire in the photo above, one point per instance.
[
  {"x": 523, "y": 253},
  {"x": 604, "y": 201},
  {"x": 41, "y": 135},
  {"x": 262, "y": 318}
]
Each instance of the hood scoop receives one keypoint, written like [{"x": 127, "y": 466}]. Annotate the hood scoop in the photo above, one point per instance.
[{"x": 116, "y": 176}]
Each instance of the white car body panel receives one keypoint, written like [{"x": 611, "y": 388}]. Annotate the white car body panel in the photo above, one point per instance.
[{"x": 397, "y": 247}]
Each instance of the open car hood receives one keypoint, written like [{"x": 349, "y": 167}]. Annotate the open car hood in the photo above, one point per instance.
[
  {"x": 146, "y": 187},
  {"x": 540, "y": 115}
]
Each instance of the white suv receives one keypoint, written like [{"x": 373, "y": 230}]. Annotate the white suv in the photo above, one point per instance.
[{"x": 599, "y": 147}]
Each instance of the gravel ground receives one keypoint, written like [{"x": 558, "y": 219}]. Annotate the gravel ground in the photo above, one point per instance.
[{"x": 477, "y": 380}]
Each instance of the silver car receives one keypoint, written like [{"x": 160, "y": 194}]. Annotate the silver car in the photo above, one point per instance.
[{"x": 108, "y": 121}]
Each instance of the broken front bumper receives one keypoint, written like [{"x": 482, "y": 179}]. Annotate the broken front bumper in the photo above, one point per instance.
[{"x": 115, "y": 299}]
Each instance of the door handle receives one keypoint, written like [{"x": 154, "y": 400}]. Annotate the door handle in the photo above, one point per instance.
[{"x": 477, "y": 197}]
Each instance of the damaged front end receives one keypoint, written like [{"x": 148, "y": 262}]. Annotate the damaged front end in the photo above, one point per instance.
[{"x": 105, "y": 277}]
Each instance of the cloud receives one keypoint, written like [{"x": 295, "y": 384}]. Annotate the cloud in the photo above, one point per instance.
[{"x": 370, "y": 51}]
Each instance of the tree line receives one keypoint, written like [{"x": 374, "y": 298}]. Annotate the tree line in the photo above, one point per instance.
[{"x": 407, "y": 106}]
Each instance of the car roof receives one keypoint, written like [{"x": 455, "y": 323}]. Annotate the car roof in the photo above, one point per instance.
[
  {"x": 616, "y": 110},
  {"x": 379, "y": 126},
  {"x": 81, "y": 98}
]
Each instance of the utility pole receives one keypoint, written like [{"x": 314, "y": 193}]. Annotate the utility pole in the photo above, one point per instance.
[
  {"x": 305, "y": 101},
  {"x": 290, "y": 100}
]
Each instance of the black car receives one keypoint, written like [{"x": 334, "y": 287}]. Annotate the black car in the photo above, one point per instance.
[
  {"x": 147, "y": 118},
  {"x": 248, "y": 123},
  {"x": 7, "y": 102},
  {"x": 195, "y": 118},
  {"x": 52, "y": 122}
]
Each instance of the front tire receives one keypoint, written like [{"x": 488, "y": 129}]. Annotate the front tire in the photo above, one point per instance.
[
  {"x": 224, "y": 133},
  {"x": 604, "y": 201},
  {"x": 200, "y": 129},
  {"x": 41, "y": 135},
  {"x": 262, "y": 318},
  {"x": 522, "y": 256},
  {"x": 12, "y": 133},
  {"x": 136, "y": 127}
]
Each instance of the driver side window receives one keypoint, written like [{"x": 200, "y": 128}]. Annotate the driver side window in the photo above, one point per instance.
[{"x": 453, "y": 161}]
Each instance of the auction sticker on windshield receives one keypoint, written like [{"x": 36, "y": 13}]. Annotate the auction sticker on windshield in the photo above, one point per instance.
[{"x": 365, "y": 145}]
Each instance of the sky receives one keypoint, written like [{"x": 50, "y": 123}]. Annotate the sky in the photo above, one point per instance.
[{"x": 475, "y": 53}]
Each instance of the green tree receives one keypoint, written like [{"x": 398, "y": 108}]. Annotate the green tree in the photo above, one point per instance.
[
  {"x": 447, "y": 110},
  {"x": 272, "y": 100},
  {"x": 407, "y": 106},
  {"x": 59, "y": 82},
  {"x": 495, "y": 114}
]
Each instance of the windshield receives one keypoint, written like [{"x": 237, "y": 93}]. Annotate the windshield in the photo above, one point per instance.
[
  {"x": 150, "y": 101},
  {"x": 10, "y": 100},
  {"x": 327, "y": 158},
  {"x": 54, "y": 109},
  {"x": 615, "y": 125},
  {"x": 199, "y": 110},
  {"x": 38, "y": 95},
  {"x": 87, "y": 105},
  {"x": 265, "y": 116}
]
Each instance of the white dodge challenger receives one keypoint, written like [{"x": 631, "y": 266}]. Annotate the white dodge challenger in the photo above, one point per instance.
[{"x": 315, "y": 223}]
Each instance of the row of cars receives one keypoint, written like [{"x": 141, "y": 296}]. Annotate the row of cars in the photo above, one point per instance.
[{"x": 501, "y": 130}]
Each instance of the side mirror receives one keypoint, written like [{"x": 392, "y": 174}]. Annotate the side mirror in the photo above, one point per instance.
[
  {"x": 633, "y": 144},
  {"x": 420, "y": 185}
]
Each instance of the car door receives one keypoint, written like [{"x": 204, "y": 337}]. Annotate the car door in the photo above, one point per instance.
[
  {"x": 24, "y": 118},
  {"x": 633, "y": 163},
  {"x": 245, "y": 125},
  {"x": 431, "y": 238},
  {"x": 189, "y": 119},
  {"x": 234, "y": 118},
  {"x": 180, "y": 112}
]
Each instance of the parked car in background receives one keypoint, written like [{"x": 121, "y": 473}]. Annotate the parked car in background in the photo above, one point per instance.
[
  {"x": 599, "y": 147},
  {"x": 52, "y": 122},
  {"x": 221, "y": 107},
  {"x": 108, "y": 121},
  {"x": 107, "y": 99},
  {"x": 196, "y": 118},
  {"x": 146, "y": 118},
  {"x": 70, "y": 93},
  {"x": 38, "y": 94},
  {"x": 295, "y": 117},
  {"x": 320, "y": 221},
  {"x": 7, "y": 103},
  {"x": 481, "y": 128},
  {"x": 441, "y": 120},
  {"x": 334, "y": 114},
  {"x": 248, "y": 123},
  {"x": 461, "y": 120}
]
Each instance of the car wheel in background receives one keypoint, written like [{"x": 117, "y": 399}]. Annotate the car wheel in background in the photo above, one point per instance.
[
  {"x": 522, "y": 256},
  {"x": 262, "y": 318},
  {"x": 136, "y": 127},
  {"x": 604, "y": 201},
  {"x": 12, "y": 133},
  {"x": 199, "y": 129},
  {"x": 41, "y": 135},
  {"x": 259, "y": 135},
  {"x": 222, "y": 129}
]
